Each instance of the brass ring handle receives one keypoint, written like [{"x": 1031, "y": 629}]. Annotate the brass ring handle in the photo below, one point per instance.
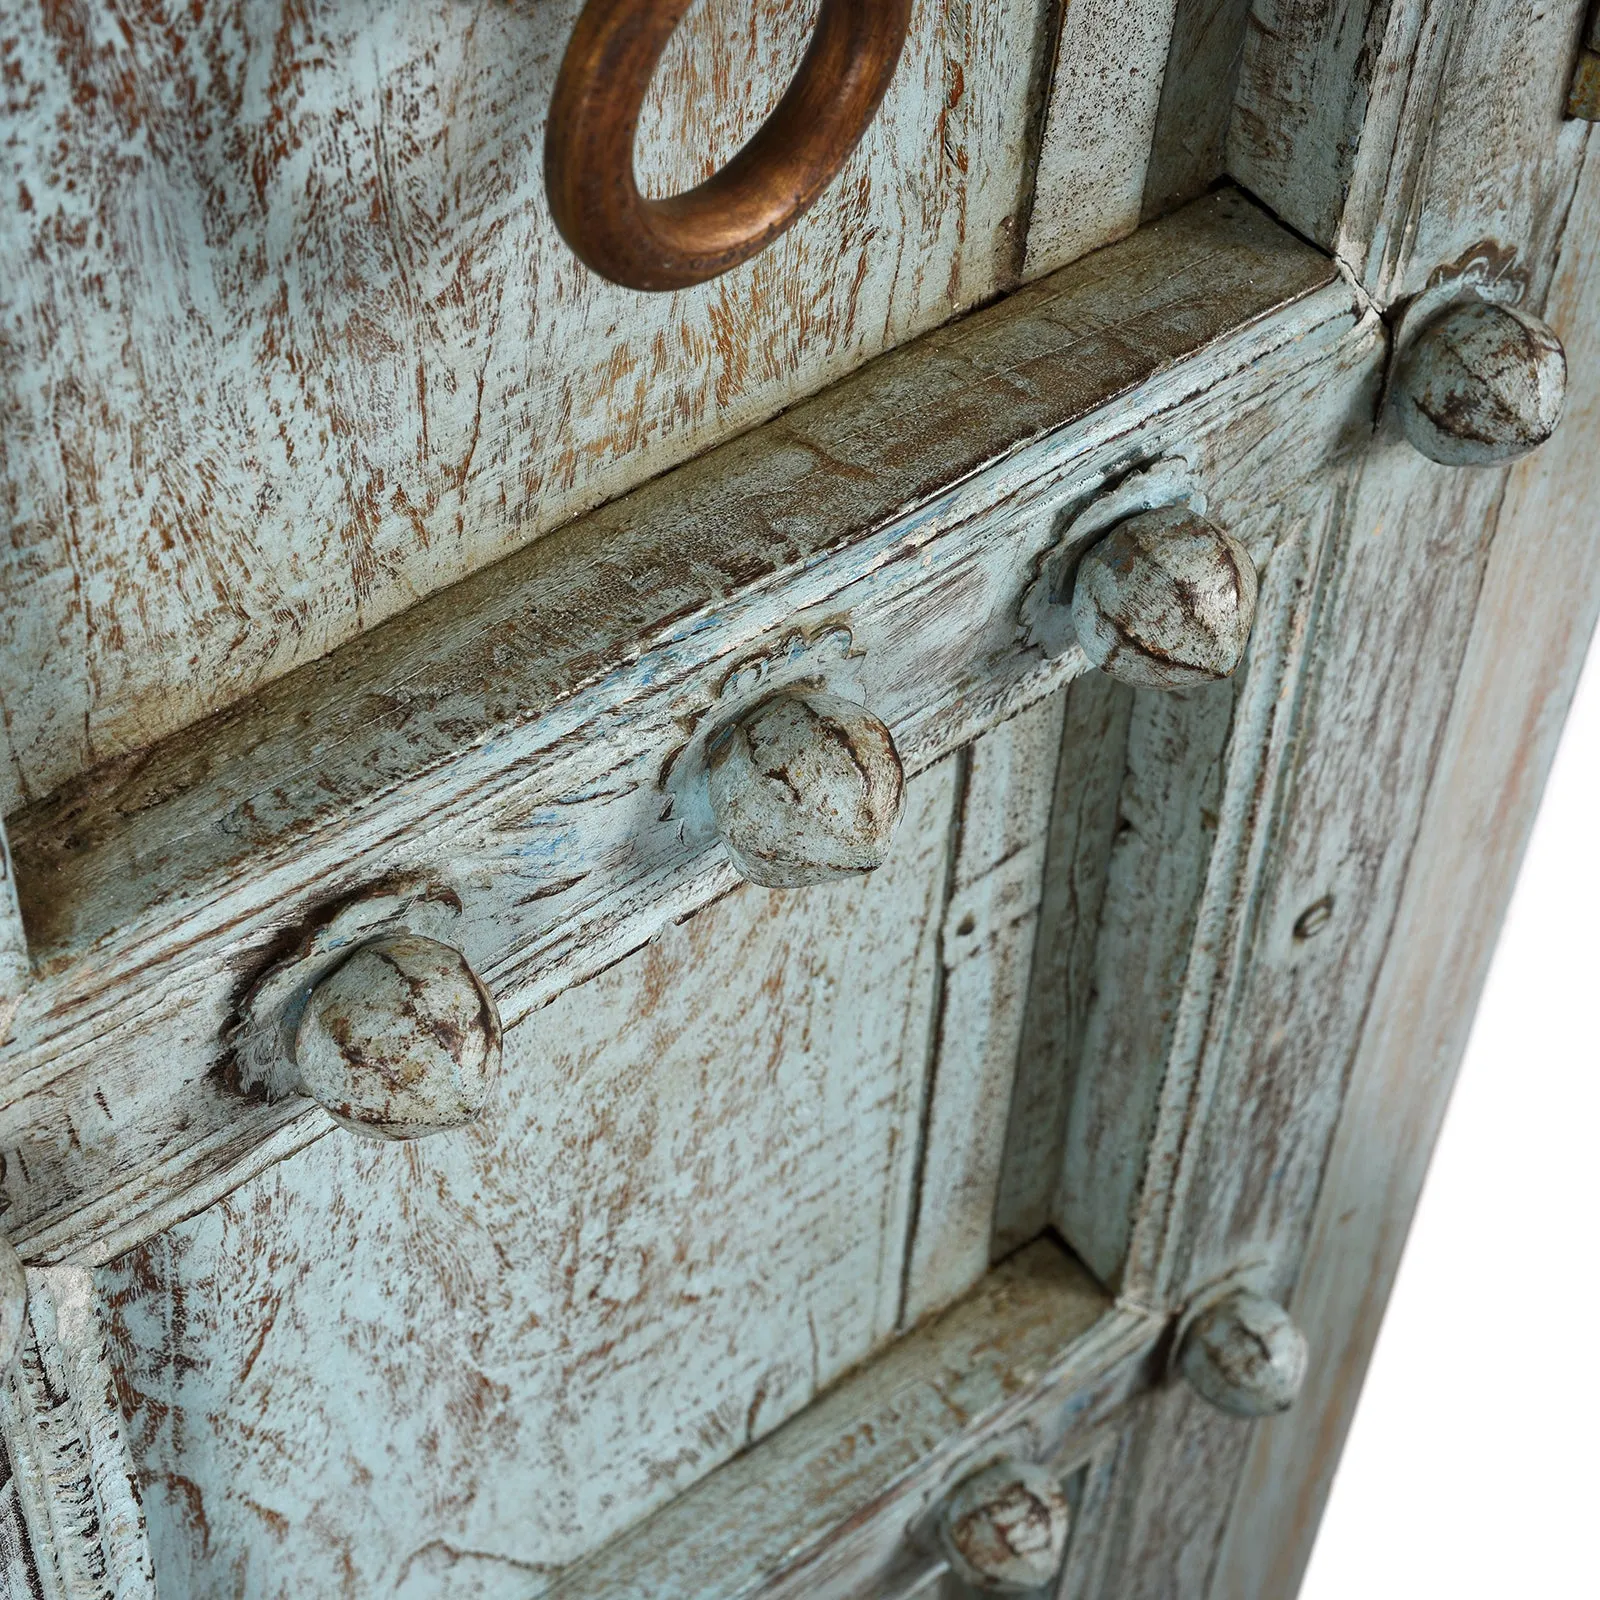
[{"x": 761, "y": 192}]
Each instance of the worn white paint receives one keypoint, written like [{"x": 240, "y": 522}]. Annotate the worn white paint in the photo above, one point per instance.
[
  {"x": 13, "y": 1302},
  {"x": 684, "y": 1218},
  {"x": 15, "y": 969},
  {"x": 1412, "y": 137},
  {"x": 1509, "y": 701},
  {"x": 294, "y": 341},
  {"x": 518, "y": 739},
  {"x": 986, "y": 944},
  {"x": 1100, "y": 120}
]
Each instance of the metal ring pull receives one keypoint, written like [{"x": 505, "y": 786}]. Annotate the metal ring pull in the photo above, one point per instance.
[{"x": 759, "y": 194}]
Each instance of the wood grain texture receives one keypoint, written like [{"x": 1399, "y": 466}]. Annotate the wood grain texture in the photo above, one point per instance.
[
  {"x": 1100, "y": 119},
  {"x": 986, "y": 946},
  {"x": 1408, "y": 135},
  {"x": 502, "y": 738},
  {"x": 1505, "y": 719},
  {"x": 1083, "y": 823},
  {"x": 686, "y": 1219},
  {"x": 840, "y": 1503},
  {"x": 71, "y": 1527},
  {"x": 1167, "y": 812},
  {"x": 292, "y": 340}
]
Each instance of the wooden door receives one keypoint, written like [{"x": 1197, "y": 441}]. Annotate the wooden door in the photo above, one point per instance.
[{"x": 795, "y": 1209}]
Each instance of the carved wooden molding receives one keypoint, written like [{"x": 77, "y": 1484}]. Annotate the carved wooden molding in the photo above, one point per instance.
[{"x": 70, "y": 1523}]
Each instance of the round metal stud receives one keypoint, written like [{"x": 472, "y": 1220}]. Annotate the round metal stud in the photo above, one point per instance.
[
  {"x": 1483, "y": 383},
  {"x": 1244, "y": 1355},
  {"x": 1005, "y": 1529},
  {"x": 400, "y": 1040},
  {"x": 1166, "y": 600},
  {"x": 804, "y": 788},
  {"x": 13, "y": 1302}
]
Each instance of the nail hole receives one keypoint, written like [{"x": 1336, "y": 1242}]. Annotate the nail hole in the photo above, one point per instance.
[
  {"x": 1314, "y": 919},
  {"x": 966, "y": 924}
]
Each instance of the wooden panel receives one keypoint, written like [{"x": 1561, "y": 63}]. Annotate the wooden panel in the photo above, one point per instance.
[
  {"x": 1083, "y": 823},
  {"x": 1188, "y": 151},
  {"x": 291, "y": 339},
  {"x": 687, "y": 1218},
  {"x": 1167, "y": 814},
  {"x": 1099, "y": 122},
  {"x": 1505, "y": 719},
  {"x": 836, "y": 1505},
  {"x": 505, "y": 741},
  {"x": 15, "y": 968},
  {"x": 1410, "y": 136},
  {"x": 986, "y": 947}
]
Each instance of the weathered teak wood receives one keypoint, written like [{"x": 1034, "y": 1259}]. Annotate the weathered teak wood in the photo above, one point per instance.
[
  {"x": 686, "y": 1217},
  {"x": 1180, "y": 975},
  {"x": 1411, "y": 135},
  {"x": 1510, "y": 700},
  {"x": 986, "y": 945},
  {"x": 15, "y": 969},
  {"x": 519, "y": 734},
  {"x": 292, "y": 340},
  {"x": 70, "y": 1523},
  {"x": 1033, "y": 1360}
]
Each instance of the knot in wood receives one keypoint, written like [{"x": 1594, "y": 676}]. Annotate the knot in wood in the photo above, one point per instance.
[
  {"x": 1004, "y": 1530},
  {"x": 1245, "y": 1356},
  {"x": 1483, "y": 383},
  {"x": 805, "y": 787},
  {"x": 13, "y": 1302},
  {"x": 1166, "y": 600},
  {"x": 401, "y": 1040}
]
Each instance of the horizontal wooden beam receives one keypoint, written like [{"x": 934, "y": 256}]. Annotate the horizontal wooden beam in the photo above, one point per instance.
[{"x": 516, "y": 740}]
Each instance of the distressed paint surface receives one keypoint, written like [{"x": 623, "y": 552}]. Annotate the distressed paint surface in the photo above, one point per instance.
[
  {"x": 514, "y": 736},
  {"x": 291, "y": 341},
  {"x": 842, "y": 1502},
  {"x": 15, "y": 967},
  {"x": 71, "y": 1527},
  {"x": 1510, "y": 701},
  {"x": 1100, "y": 119},
  {"x": 986, "y": 945},
  {"x": 1083, "y": 823},
  {"x": 1408, "y": 135},
  {"x": 687, "y": 1217}
]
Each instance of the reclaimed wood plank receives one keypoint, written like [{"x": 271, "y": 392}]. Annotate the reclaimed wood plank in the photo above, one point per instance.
[
  {"x": 15, "y": 968},
  {"x": 1100, "y": 119},
  {"x": 292, "y": 339},
  {"x": 1410, "y": 138},
  {"x": 1083, "y": 824},
  {"x": 497, "y": 738},
  {"x": 687, "y": 1219},
  {"x": 986, "y": 949},
  {"x": 1510, "y": 700},
  {"x": 1188, "y": 150},
  {"x": 829, "y": 1507}
]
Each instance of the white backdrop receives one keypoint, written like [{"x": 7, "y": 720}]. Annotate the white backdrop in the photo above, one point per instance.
[{"x": 1473, "y": 1467}]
